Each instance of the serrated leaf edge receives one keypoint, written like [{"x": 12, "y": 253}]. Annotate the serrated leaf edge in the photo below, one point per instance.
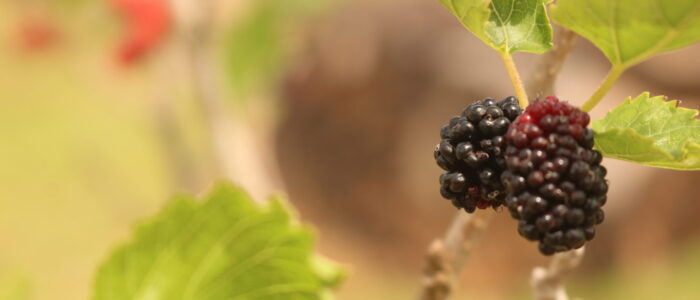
[
  {"x": 684, "y": 150},
  {"x": 331, "y": 277},
  {"x": 674, "y": 163}
]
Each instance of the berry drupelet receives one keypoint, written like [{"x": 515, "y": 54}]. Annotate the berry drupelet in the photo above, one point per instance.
[
  {"x": 555, "y": 183},
  {"x": 471, "y": 151}
]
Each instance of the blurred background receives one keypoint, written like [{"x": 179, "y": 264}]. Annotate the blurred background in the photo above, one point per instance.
[{"x": 110, "y": 107}]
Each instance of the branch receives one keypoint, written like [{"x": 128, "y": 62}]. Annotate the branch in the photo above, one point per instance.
[
  {"x": 547, "y": 283},
  {"x": 194, "y": 19},
  {"x": 181, "y": 160},
  {"x": 238, "y": 147},
  {"x": 447, "y": 256},
  {"x": 542, "y": 81}
]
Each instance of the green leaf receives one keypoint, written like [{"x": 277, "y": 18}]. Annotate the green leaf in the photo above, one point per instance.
[
  {"x": 506, "y": 25},
  {"x": 254, "y": 50},
  {"x": 630, "y": 31},
  {"x": 651, "y": 131},
  {"x": 258, "y": 46},
  {"x": 14, "y": 287},
  {"x": 225, "y": 247}
]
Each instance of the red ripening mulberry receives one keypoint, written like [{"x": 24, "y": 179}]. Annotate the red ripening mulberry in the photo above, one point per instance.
[
  {"x": 37, "y": 32},
  {"x": 147, "y": 22},
  {"x": 555, "y": 183},
  {"x": 471, "y": 151}
]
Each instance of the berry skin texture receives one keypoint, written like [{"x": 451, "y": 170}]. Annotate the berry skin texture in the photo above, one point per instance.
[
  {"x": 471, "y": 151},
  {"x": 555, "y": 183}
]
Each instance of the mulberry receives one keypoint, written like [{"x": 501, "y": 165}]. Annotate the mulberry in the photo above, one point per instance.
[
  {"x": 554, "y": 181},
  {"x": 472, "y": 152}
]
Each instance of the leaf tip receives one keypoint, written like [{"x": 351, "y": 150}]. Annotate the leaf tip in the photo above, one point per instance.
[{"x": 331, "y": 273}]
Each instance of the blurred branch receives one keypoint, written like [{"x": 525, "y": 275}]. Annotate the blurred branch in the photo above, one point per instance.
[
  {"x": 193, "y": 21},
  {"x": 180, "y": 159},
  {"x": 237, "y": 147},
  {"x": 547, "y": 283},
  {"x": 541, "y": 82},
  {"x": 446, "y": 256}
]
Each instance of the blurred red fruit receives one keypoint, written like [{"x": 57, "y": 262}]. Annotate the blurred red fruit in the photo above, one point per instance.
[
  {"x": 147, "y": 22},
  {"x": 37, "y": 33}
]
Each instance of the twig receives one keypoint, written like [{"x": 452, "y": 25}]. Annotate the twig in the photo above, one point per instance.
[
  {"x": 197, "y": 27},
  {"x": 236, "y": 147},
  {"x": 447, "y": 256},
  {"x": 180, "y": 159},
  {"x": 542, "y": 81},
  {"x": 547, "y": 283}
]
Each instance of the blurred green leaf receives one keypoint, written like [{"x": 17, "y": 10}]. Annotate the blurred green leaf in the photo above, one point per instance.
[
  {"x": 254, "y": 51},
  {"x": 630, "y": 31},
  {"x": 506, "y": 25},
  {"x": 226, "y": 247},
  {"x": 672, "y": 277},
  {"x": 258, "y": 46},
  {"x": 651, "y": 131},
  {"x": 14, "y": 287}
]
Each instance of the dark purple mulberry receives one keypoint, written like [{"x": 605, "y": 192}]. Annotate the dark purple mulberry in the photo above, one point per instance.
[{"x": 471, "y": 151}]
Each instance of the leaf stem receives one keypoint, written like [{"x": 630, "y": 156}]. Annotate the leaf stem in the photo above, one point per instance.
[
  {"x": 514, "y": 78},
  {"x": 604, "y": 88}
]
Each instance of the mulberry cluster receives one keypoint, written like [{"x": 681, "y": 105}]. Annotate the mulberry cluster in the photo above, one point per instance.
[
  {"x": 471, "y": 151},
  {"x": 555, "y": 183}
]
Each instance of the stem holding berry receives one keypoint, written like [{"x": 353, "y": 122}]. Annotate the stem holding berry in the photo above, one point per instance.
[{"x": 514, "y": 78}]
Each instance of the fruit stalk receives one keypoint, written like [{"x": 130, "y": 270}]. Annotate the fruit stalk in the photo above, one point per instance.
[{"x": 515, "y": 78}]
